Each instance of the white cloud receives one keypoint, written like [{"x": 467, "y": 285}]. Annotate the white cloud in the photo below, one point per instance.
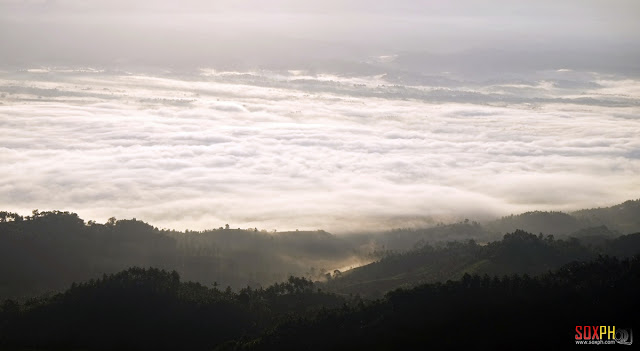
[{"x": 341, "y": 153}]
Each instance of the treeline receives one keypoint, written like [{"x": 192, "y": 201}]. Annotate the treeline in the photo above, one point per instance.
[
  {"x": 518, "y": 252},
  {"x": 619, "y": 219},
  {"x": 49, "y": 250},
  {"x": 588, "y": 225},
  {"x": 623, "y": 218},
  {"x": 153, "y": 309},
  {"x": 475, "y": 312}
]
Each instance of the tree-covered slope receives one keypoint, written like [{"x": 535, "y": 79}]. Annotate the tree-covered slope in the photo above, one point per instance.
[
  {"x": 49, "y": 250},
  {"x": 624, "y": 217},
  {"x": 476, "y": 312},
  {"x": 519, "y": 252},
  {"x": 152, "y": 309},
  {"x": 149, "y": 309}
]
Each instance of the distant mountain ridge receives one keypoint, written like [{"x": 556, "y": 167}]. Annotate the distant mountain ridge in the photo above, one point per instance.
[{"x": 624, "y": 218}]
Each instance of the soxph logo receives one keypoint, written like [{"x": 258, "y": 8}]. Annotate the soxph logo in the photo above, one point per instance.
[{"x": 603, "y": 335}]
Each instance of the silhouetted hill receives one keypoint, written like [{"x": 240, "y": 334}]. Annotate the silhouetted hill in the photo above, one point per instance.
[
  {"x": 624, "y": 217},
  {"x": 408, "y": 238},
  {"x": 476, "y": 312},
  {"x": 49, "y": 250},
  {"x": 595, "y": 236},
  {"x": 624, "y": 246},
  {"x": 152, "y": 309},
  {"x": 592, "y": 225},
  {"x": 517, "y": 253},
  {"x": 147, "y": 309},
  {"x": 555, "y": 223}
]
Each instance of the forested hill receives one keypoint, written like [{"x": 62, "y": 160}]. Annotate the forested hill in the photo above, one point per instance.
[
  {"x": 619, "y": 219},
  {"x": 475, "y": 312},
  {"x": 512, "y": 285},
  {"x": 624, "y": 217},
  {"x": 49, "y": 250},
  {"x": 592, "y": 225},
  {"x": 150, "y": 309},
  {"x": 517, "y": 253}
]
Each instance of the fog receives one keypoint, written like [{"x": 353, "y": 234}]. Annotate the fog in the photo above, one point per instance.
[
  {"x": 312, "y": 34},
  {"x": 279, "y": 150},
  {"x": 340, "y": 115}
]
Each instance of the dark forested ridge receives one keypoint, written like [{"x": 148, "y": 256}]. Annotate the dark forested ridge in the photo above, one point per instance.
[
  {"x": 49, "y": 250},
  {"x": 153, "y": 309},
  {"x": 597, "y": 223},
  {"x": 623, "y": 218},
  {"x": 517, "y": 253},
  {"x": 442, "y": 293},
  {"x": 475, "y": 312}
]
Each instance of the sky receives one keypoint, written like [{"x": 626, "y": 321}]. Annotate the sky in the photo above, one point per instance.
[
  {"x": 336, "y": 115},
  {"x": 295, "y": 32}
]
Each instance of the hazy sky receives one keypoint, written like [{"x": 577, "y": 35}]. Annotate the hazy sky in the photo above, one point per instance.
[
  {"x": 339, "y": 115},
  {"x": 195, "y": 32}
]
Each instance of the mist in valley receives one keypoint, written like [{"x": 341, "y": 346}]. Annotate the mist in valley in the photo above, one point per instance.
[{"x": 263, "y": 175}]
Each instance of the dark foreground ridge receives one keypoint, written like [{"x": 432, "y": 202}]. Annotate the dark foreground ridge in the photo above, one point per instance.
[
  {"x": 513, "y": 312},
  {"x": 152, "y": 309}
]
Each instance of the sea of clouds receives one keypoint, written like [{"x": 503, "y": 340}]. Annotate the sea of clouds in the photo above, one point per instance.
[{"x": 295, "y": 149}]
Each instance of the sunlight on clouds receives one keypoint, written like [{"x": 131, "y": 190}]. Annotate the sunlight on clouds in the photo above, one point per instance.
[{"x": 296, "y": 150}]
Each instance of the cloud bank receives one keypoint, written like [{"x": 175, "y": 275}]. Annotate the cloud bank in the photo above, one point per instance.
[{"x": 302, "y": 150}]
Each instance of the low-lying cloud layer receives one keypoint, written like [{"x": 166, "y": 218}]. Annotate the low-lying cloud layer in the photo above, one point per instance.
[{"x": 294, "y": 149}]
